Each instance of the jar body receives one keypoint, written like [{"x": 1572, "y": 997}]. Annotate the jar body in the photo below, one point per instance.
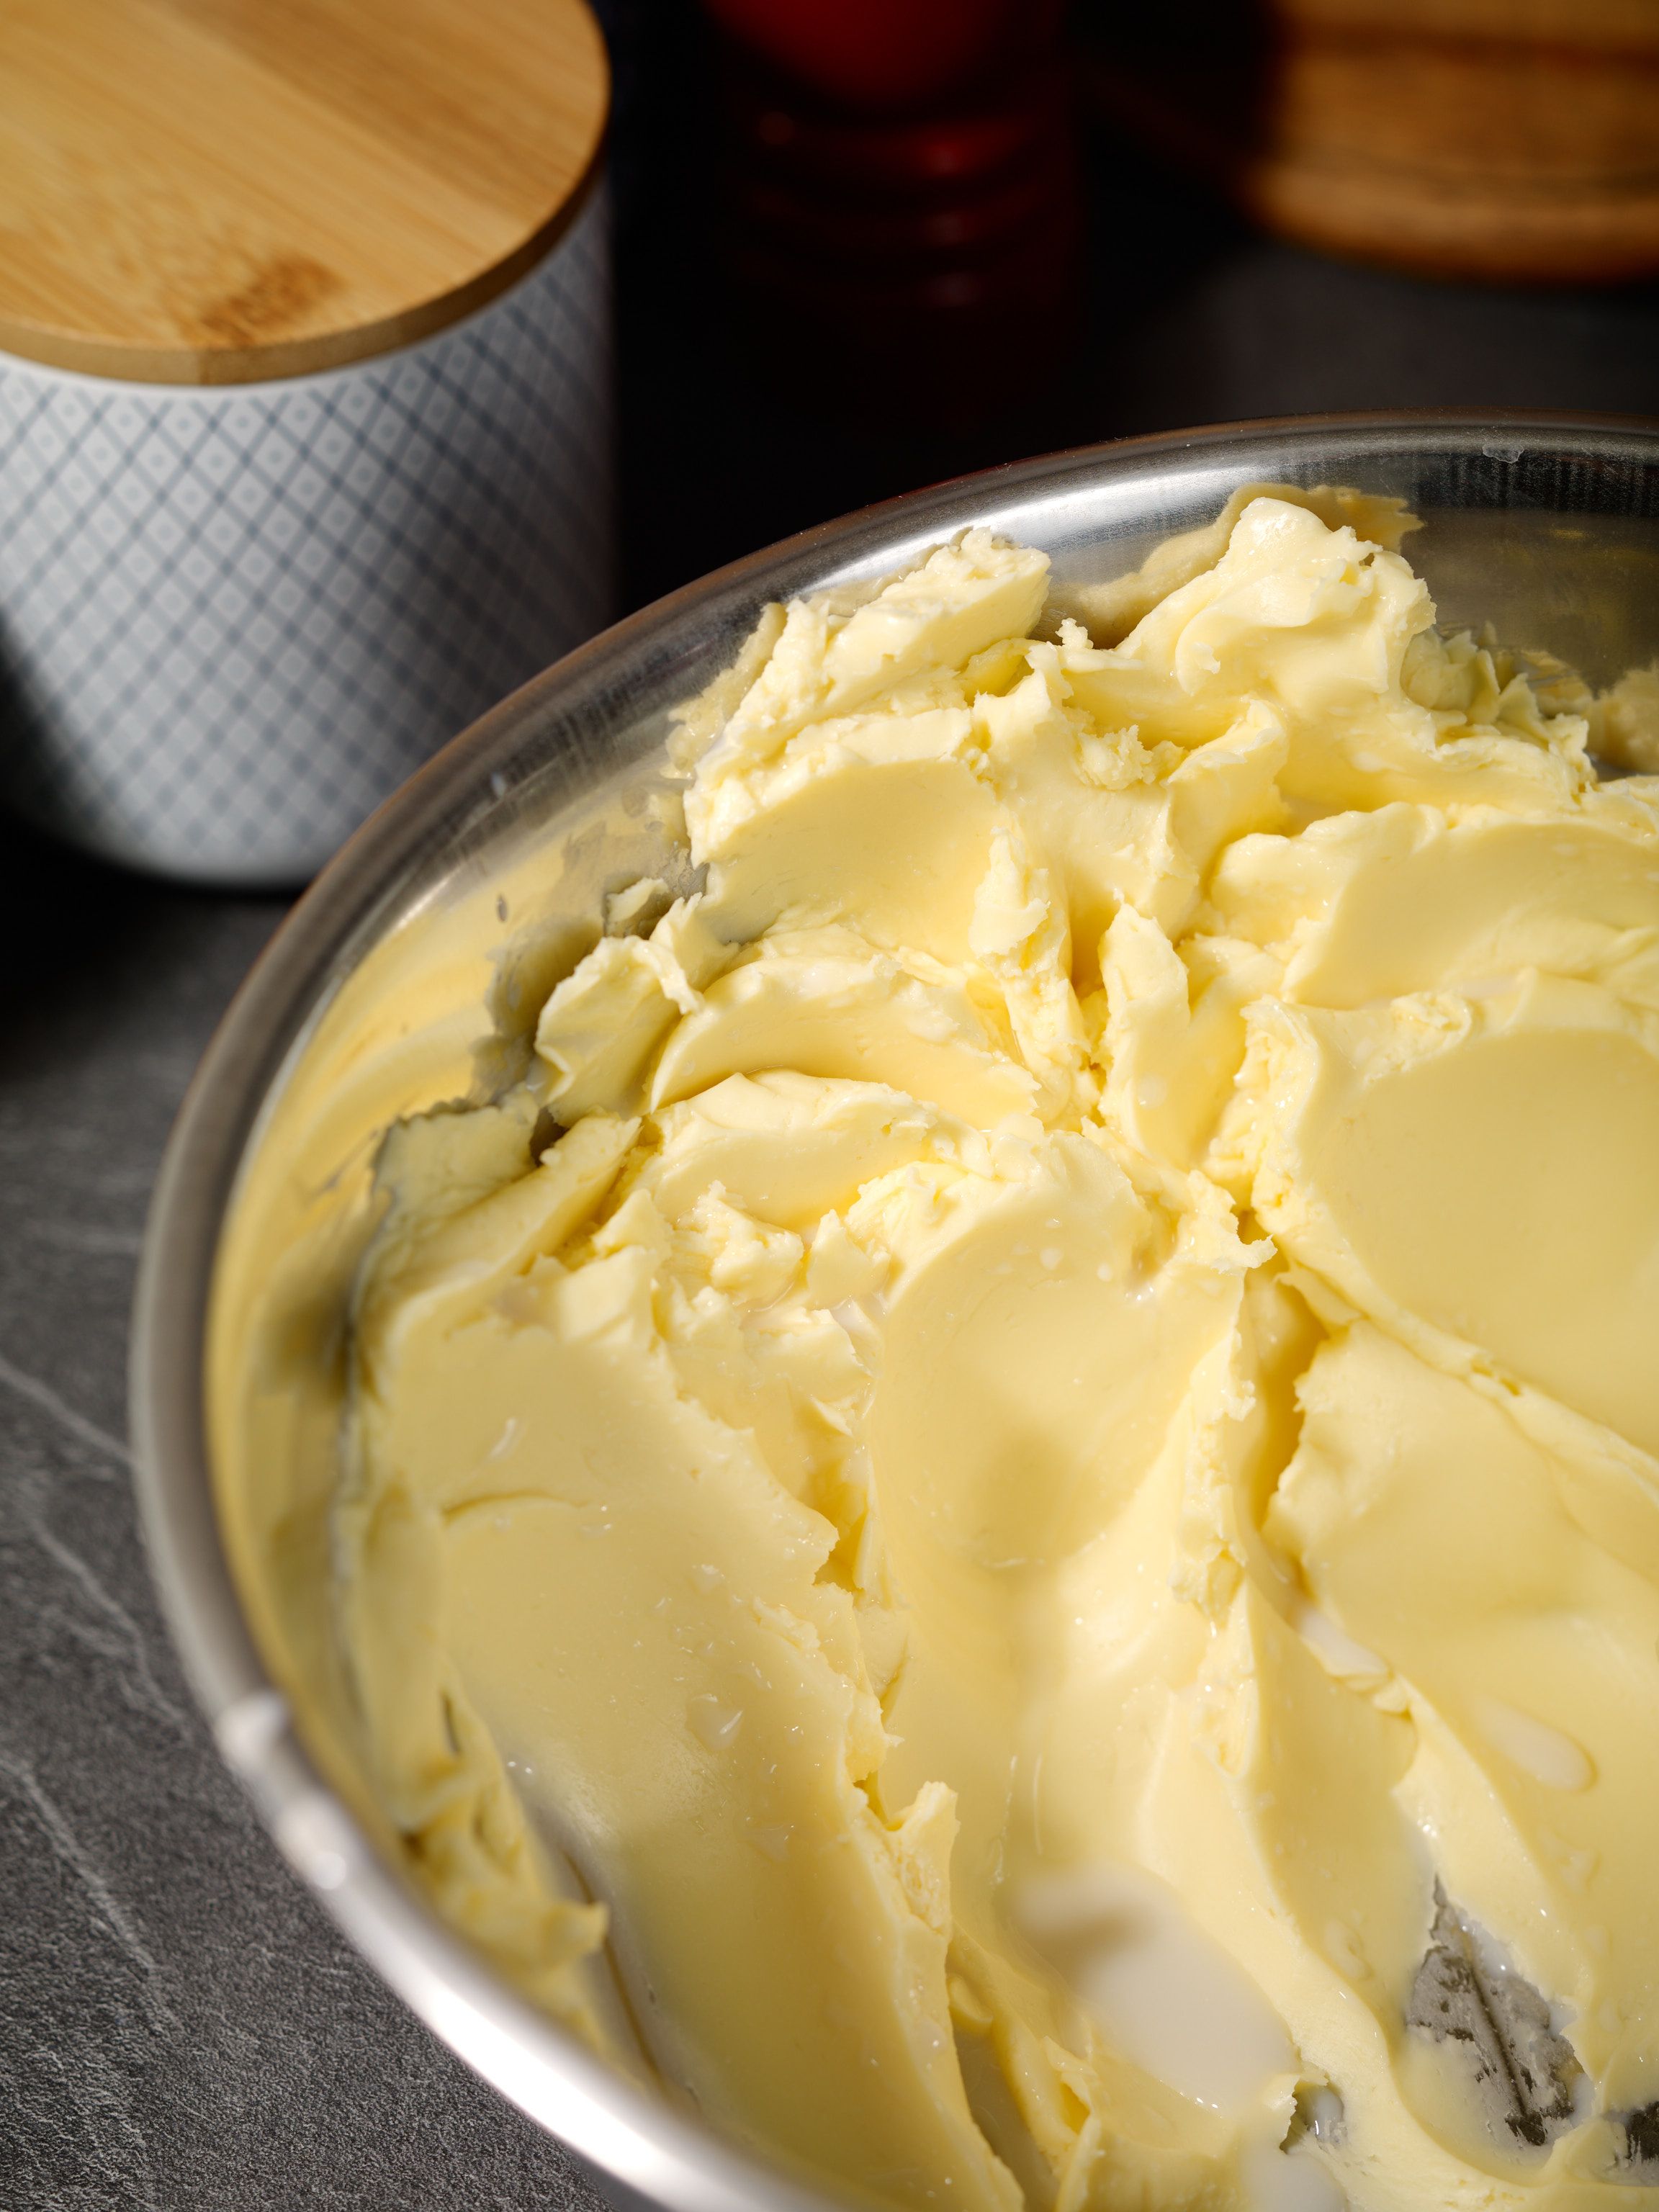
[{"x": 234, "y": 619}]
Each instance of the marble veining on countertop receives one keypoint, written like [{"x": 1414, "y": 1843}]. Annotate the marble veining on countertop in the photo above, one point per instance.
[{"x": 181, "y": 2028}]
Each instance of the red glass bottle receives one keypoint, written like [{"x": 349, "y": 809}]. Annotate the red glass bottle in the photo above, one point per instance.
[{"x": 902, "y": 217}]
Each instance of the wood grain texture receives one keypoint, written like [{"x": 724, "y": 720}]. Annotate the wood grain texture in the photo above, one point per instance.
[
  {"x": 1533, "y": 158},
  {"x": 1602, "y": 26},
  {"x": 212, "y": 191},
  {"x": 1510, "y": 140}
]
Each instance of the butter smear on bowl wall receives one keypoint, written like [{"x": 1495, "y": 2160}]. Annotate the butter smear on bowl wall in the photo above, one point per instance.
[{"x": 1032, "y": 1443}]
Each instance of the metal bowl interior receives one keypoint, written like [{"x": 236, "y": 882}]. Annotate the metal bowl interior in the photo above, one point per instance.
[{"x": 462, "y": 898}]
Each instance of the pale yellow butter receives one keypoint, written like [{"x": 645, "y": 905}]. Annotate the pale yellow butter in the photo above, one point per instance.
[{"x": 1056, "y": 1478}]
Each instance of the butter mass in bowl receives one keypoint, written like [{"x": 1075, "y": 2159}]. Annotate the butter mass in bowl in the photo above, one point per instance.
[{"x": 1032, "y": 1445}]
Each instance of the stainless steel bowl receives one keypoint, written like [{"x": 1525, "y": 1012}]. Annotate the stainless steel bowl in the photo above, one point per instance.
[{"x": 472, "y": 887}]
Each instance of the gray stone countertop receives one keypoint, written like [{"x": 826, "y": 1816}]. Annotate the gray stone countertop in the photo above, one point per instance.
[{"x": 180, "y": 2029}]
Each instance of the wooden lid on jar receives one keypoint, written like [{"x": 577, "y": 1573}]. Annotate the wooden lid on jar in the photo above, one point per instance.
[{"x": 216, "y": 192}]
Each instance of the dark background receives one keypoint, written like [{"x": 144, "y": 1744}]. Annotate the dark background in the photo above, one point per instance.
[
  {"x": 179, "y": 2030},
  {"x": 1187, "y": 318}
]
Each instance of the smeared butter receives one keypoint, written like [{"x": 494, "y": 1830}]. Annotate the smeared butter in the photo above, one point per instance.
[{"x": 1050, "y": 1495}]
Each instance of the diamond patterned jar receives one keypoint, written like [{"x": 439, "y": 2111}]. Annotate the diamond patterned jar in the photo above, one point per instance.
[{"x": 237, "y": 607}]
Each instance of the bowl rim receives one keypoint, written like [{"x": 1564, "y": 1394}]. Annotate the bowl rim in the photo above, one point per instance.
[{"x": 639, "y": 2143}]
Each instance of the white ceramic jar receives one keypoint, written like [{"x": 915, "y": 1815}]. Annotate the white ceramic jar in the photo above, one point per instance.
[{"x": 235, "y": 614}]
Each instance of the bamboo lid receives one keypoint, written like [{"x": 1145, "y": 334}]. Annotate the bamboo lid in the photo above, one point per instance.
[{"x": 215, "y": 191}]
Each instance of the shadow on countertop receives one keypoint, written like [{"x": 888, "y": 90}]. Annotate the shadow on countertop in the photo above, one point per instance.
[
  {"x": 87, "y": 942},
  {"x": 181, "y": 2027}
]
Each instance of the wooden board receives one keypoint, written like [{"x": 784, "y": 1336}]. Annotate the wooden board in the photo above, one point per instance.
[
  {"x": 1511, "y": 140},
  {"x": 222, "y": 190},
  {"x": 1510, "y": 159},
  {"x": 1599, "y": 25}
]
